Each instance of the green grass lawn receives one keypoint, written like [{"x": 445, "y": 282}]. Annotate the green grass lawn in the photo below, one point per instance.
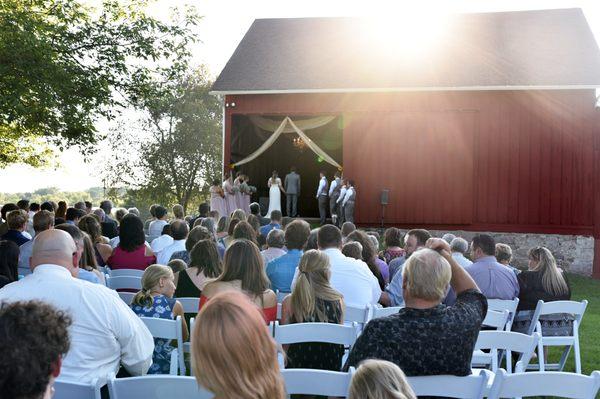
[{"x": 589, "y": 332}]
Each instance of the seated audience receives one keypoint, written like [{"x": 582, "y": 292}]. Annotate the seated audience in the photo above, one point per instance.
[
  {"x": 239, "y": 214},
  {"x": 253, "y": 221},
  {"x": 164, "y": 240},
  {"x": 6, "y": 209},
  {"x": 47, "y": 206},
  {"x": 73, "y": 216},
  {"x": 77, "y": 235},
  {"x": 312, "y": 243},
  {"x": 415, "y": 240},
  {"x": 79, "y": 205},
  {"x": 459, "y": 247},
  {"x": 109, "y": 225},
  {"x": 135, "y": 211},
  {"x": 347, "y": 228},
  {"x": 351, "y": 277},
  {"x": 429, "y": 338},
  {"x": 313, "y": 300},
  {"x": 494, "y": 280},
  {"x": 156, "y": 300},
  {"x": 274, "y": 224},
  {"x": 545, "y": 281},
  {"x": 90, "y": 225},
  {"x": 379, "y": 379},
  {"x": 235, "y": 356},
  {"x": 204, "y": 266},
  {"x": 156, "y": 226},
  {"x": 285, "y": 221},
  {"x": 197, "y": 234},
  {"x": 203, "y": 210},
  {"x": 222, "y": 227},
  {"x": 255, "y": 210},
  {"x": 393, "y": 240},
  {"x": 214, "y": 215},
  {"x": 280, "y": 271},
  {"x": 34, "y": 339},
  {"x": 243, "y": 271},
  {"x": 17, "y": 223},
  {"x": 179, "y": 232},
  {"x": 353, "y": 250},
  {"x": 61, "y": 211},
  {"x": 88, "y": 261},
  {"x": 178, "y": 212},
  {"x": 132, "y": 252},
  {"x": 177, "y": 265},
  {"x": 9, "y": 262},
  {"x": 369, "y": 255},
  {"x": 88, "y": 207},
  {"x": 105, "y": 332},
  {"x": 504, "y": 256},
  {"x": 42, "y": 221},
  {"x": 244, "y": 231},
  {"x": 151, "y": 219},
  {"x": 228, "y": 239},
  {"x": 275, "y": 244},
  {"x": 448, "y": 237}
]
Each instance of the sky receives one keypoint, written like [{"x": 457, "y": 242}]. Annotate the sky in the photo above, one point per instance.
[{"x": 223, "y": 26}]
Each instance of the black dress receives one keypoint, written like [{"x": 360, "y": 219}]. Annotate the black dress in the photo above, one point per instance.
[{"x": 318, "y": 355}]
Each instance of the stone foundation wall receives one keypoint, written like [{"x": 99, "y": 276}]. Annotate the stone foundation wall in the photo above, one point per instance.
[{"x": 573, "y": 253}]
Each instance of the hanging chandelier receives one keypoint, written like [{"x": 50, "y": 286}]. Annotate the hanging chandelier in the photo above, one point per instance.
[{"x": 299, "y": 143}]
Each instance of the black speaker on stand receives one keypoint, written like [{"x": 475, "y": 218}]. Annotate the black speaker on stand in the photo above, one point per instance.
[{"x": 385, "y": 193}]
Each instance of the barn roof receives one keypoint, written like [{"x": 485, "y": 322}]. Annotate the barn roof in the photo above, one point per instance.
[{"x": 542, "y": 49}]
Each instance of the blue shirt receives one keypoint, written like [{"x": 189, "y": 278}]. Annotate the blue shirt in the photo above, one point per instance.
[
  {"x": 88, "y": 276},
  {"x": 395, "y": 265},
  {"x": 15, "y": 236},
  {"x": 264, "y": 231},
  {"x": 394, "y": 289},
  {"x": 281, "y": 270}
]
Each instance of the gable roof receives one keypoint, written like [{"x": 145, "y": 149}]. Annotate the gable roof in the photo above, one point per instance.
[{"x": 542, "y": 49}]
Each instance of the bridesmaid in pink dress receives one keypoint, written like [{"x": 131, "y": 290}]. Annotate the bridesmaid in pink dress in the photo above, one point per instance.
[
  {"x": 246, "y": 193},
  {"x": 230, "y": 204},
  {"x": 217, "y": 199}
]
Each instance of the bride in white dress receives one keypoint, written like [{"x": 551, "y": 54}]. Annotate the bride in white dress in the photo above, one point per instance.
[{"x": 275, "y": 190}]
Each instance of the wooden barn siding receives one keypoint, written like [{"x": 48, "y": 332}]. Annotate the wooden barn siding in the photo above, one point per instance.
[{"x": 534, "y": 156}]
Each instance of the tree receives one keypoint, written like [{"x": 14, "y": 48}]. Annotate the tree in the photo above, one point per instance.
[
  {"x": 64, "y": 65},
  {"x": 181, "y": 154}
]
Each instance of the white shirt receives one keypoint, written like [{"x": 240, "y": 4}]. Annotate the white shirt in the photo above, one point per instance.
[
  {"x": 352, "y": 278},
  {"x": 25, "y": 251},
  {"x": 105, "y": 331},
  {"x": 114, "y": 242},
  {"x": 160, "y": 243},
  {"x": 164, "y": 256},
  {"x": 461, "y": 259},
  {"x": 332, "y": 187},
  {"x": 272, "y": 253},
  {"x": 347, "y": 195},
  {"x": 342, "y": 194},
  {"x": 155, "y": 229},
  {"x": 322, "y": 184}
]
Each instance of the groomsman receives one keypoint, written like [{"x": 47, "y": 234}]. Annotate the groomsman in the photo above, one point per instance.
[
  {"x": 334, "y": 194},
  {"x": 322, "y": 198},
  {"x": 348, "y": 202},
  {"x": 340, "y": 207},
  {"x": 292, "y": 189}
]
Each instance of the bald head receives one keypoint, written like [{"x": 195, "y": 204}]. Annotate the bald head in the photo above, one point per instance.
[{"x": 55, "y": 247}]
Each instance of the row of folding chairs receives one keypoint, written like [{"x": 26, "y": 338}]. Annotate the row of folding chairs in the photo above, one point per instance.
[{"x": 336, "y": 384}]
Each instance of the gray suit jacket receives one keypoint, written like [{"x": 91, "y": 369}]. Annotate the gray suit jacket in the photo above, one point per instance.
[{"x": 292, "y": 183}]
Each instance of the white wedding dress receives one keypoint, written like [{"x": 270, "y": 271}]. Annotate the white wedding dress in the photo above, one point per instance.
[{"x": 274, "y": 196}]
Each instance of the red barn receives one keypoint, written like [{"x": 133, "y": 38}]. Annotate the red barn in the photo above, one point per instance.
[{"x": 493, "y": 128}]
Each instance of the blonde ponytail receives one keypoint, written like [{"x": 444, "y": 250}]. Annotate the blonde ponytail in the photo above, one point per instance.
[
  {"x": 151, "y": 280},
  {"x": 379, "y": 379},
  {"x": 552, "y": 279}
]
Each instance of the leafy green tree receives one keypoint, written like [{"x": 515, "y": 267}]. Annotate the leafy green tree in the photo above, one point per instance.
[
  {"x": 64, "y": 65},
  {"x": 181, "y": 153}
]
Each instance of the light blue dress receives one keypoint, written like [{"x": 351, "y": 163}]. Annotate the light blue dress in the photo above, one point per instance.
[{"x": 162, "y": 308}]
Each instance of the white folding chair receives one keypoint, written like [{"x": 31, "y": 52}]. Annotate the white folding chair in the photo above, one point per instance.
[
  {"x": 498, "y": 342},
  {"x": 187, "y": 346},
  {"x": 317, "y": 382},
  {"x": 124, "y": 283},
  {"x": 158, "y": 386},
  {"x": 576, "y": 309},
  {"x": 190, "y": 305},
  {"x": 105, "y": 270},
  {"x": 314, "y": 332},
  {"x": 468, "y": 387},
  {"x": 127, "y": 272},
  {"x": 545, "y": 383},
  {"x": 496, "y": 319},
  {"x": 127, "y": 297},
  {"x": 505, "y": 304},
  {"x": 360, "y": 316},
  {"x": 64, "y": 389},
  {"x": 169, "y": 329},
  {"x": 377, "y": 312}
]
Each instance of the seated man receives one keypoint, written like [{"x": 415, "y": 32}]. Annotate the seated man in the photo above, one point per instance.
[
  {"x": 255, "y": 210},
  {"x": 17, "y": 224},
  {"x": 105, "y": 332},
  {"x": 281, "y": 270},
  {"x": 427, "y": 337},
  {"x": 33, "y": 339},
  {"x": 275, "y": 223},
  {"x": 275, "y": 244},
  {"x": 459, "y": 247},
  {"x": 179, "y": 232}
]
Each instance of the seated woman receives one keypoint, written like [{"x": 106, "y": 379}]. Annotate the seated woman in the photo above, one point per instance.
[
  {"x": 313, "y": 300},
  {"x": 90, "y": 225},
  {"x": 228, "y": 239},
  {"x": 243, "y": 230},
  {"x": 353, "y": 250},
  {"x": 88, "y": 259},
  {"x": 132, "y": 251},
  {"x": 9, "y": 262},
  {"x": 378, "y": 267},
  {"x": 244, "y": 271},
  {"x": 235, "y": 356},
  {"x": 545, "y": 281},
  {"x": 393, "y": 239},
  {"x": 379, "y": 379},
  {"x": 156, "y": 300}
]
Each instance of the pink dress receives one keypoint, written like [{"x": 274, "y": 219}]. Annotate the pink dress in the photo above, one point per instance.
[
  {"x": 239, "y": 197},
  {"x": 137, "y": 259},
  {"x": 217, "y": 203},
  {"x": 246, "y": 196},
  {"x": 230, "y": 203}
]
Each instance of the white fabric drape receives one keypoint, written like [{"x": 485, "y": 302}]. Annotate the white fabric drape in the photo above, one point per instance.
[{"x": 298, "y": 127}]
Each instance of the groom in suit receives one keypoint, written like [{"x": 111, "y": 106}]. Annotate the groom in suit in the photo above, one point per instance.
[{"x": 292, "y": 190}]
